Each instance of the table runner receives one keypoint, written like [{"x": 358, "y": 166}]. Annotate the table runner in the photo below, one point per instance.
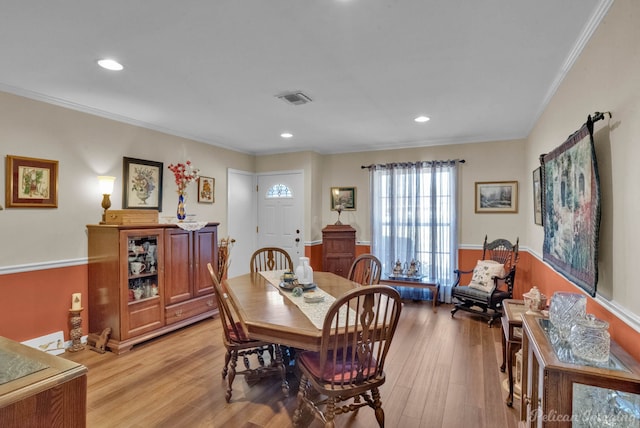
[{"x": 315, "y": 312}]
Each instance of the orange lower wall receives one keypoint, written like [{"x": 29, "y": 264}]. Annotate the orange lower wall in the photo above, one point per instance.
[
  {"x": 532, "y": 271},
  {"x": 37, "y": 303}
]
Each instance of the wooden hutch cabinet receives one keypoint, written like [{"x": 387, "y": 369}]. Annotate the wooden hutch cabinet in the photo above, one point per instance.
[
  {"x": 338, "y": 248},
  {"x": 559, "y": 390},
  {"x": 147, "y": 280}
]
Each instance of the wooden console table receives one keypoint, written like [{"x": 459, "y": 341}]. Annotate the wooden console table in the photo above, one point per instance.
[
  {"x": 409, "y": 282},
  {"x": 38, "y": 389},
  {"x": 511, "y": 337}
]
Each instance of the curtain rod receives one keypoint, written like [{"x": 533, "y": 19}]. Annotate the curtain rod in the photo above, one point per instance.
[
  {"x": 600, "y": 115},
  {"x": 409, "y": 163}
]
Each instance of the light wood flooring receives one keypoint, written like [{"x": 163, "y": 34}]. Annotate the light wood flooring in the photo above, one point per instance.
[{"x": 441, "y": 372}]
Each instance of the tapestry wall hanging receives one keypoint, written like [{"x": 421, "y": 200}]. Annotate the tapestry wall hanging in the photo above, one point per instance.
[{"x": 572, "y": 208}]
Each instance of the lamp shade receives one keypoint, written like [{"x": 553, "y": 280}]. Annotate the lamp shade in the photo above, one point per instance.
[{"x": 106, "y": 184}]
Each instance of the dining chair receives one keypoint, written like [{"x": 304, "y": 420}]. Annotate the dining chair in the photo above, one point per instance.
[
  {"x": 270, "y": 258},
  {"x": 365, "y": 270},
  {"x": 356, "y": 336},
  {"x": 238, "y": 344}
]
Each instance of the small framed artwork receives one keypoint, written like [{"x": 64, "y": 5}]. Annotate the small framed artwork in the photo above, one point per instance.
[
  {"x": 31, "y": 183},
  {"x": 497, "y": 197},
  {"x": 141, "y": 184},
  {"x": 343, "y": 196},
  {"x": 206, "y": 190},
  {"x": 537, "y": 196}
]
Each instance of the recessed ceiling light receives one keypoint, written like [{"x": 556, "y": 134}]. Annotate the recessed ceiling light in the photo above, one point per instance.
[
  {"x": 286, "y": 135},
  {"x": 110, "y": 64},
  {"x": 422, "y": 119}
]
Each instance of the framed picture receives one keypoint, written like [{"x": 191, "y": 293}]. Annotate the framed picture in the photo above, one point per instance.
[
  {"x": 141, "y": 184},
  {"x": 206, "y": 190},
  {"x": 343, "y": 196},
  {"x": 31, "y": 183},
  {"x": 537, "y": 196},
  {"x": 497, "y": 197}
]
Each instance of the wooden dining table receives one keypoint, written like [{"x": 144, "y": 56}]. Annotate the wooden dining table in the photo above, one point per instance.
[{"x": 267, "y": 314}]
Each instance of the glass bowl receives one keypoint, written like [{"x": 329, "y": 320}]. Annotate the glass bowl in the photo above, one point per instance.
[{"x": 565, "y": 310}]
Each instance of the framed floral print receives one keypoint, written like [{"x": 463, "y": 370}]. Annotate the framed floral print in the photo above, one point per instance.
[
  {"x": 141, "y": 184},
  {"x": 31, "y": 183},
  {"x": 206, "y": 190}
]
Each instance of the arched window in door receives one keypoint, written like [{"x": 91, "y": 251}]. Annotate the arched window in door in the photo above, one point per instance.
[{"x": 279, "y": 191}]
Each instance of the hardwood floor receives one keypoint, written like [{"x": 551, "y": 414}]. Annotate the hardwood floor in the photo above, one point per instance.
[{"x": 441, "y": 372}]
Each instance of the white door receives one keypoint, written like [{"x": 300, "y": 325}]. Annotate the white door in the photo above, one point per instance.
[
  {"x": 281, "y": 212},
  {"x": 241, "y": 219}
]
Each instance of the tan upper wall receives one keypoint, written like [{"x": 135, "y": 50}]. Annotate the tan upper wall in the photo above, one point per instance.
[
  {"x": 606, "y": 77},
  {"x": 492, "y": 161},
  {"x": 87, "y": 146}
]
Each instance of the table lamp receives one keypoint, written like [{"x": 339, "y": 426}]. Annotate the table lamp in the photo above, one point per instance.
[{"x": 106, "y": 188}]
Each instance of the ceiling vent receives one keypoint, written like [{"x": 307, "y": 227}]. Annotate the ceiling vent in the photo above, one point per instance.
[{"x": 296, "y": 98}]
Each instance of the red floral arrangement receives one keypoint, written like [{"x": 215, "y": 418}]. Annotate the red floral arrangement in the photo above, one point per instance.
[{"x": 184, "y": 174}]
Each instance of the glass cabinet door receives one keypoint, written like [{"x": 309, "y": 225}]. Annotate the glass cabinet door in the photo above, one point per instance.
[
  {"x": 142, "y": 253},
  {"x": 596, "y": 407}
]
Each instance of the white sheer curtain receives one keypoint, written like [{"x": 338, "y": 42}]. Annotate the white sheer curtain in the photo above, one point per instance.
[{"x": 414, "y": 216}]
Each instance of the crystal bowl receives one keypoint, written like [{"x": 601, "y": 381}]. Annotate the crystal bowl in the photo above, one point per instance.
[{"x": 565, "y": 310}]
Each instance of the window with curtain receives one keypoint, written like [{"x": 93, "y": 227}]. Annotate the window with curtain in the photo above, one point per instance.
[{"x": 414, "y": 217}]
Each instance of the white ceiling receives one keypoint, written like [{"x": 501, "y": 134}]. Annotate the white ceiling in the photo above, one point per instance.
[{"x": 483, "y": 70}]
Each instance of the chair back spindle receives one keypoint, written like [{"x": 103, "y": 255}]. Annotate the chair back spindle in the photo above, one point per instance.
[
  {"x": 365, "y": 270},
  {"x": 270, "y": 258}
]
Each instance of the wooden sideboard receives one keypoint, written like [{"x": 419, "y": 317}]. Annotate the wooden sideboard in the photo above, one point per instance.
[
  {"x": 338, "y": 248},
  {"x": 168, "y": 289},
  {"x": 40, "y": 390}
]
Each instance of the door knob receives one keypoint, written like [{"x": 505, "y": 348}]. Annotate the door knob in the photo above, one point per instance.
[{"x": 297, "y": 239}]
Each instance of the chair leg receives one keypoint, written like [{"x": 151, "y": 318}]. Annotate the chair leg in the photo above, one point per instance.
[
  {"x": 330, "y": 413},
  {"x": 283, "y": 370},
  {"x": 375, "y": 393},
  {"x": 232, "y": 374},
  {"x": 245, "y": 360},
  {"x": 302, "y": 390},
  {"x": 225, "y": 369},
  {"x": 454, "y": 310}
]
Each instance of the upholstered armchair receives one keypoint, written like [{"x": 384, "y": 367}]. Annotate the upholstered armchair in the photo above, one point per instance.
[{"x": 492, "y": 281}]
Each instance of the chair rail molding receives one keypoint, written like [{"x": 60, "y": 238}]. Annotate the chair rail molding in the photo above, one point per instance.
[{"x": 52, "y": 264}]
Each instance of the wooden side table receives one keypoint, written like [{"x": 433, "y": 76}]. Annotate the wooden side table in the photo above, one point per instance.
[
  {"x": 511, "y": 337},
  {"x": 430, "y": 283}
]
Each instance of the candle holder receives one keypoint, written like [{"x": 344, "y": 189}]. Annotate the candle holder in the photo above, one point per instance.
[{"x": 76, "y": 330}]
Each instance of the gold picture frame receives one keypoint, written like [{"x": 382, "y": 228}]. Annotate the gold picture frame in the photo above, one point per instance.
[
  {"x": 31, "y": 182},
  {"x": 344, "y": 196},
  {"x": 496, "y": 197},
  {"x": 206, "y": 190}
]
